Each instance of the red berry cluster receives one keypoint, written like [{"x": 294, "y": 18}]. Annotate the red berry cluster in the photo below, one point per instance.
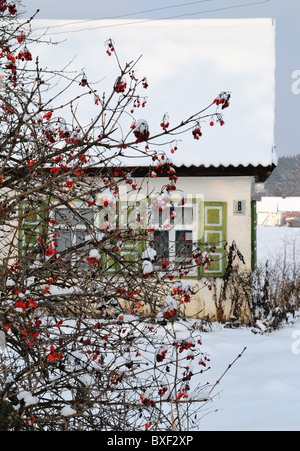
[
  {"x": 11, "y": 7},
  {"x": 201, "y": 362},
  {"x": 120, "y": 86},
  {"x": 93, "y": 260},
  {"x": 169, "y": 314},
  {"x": 3, "y": 6},
  {"x": 54, "y": 355},
  {"x": 160, "y": 356},
  {"x": 141, "y": 131},
  {"x": 24, "y": 305},
  {"x": 31, "y": 336},
  {"x": 109, "y": 47},
  {"x": 139, "y": 102},
  {"x": 163, "y": 390},
  {"x": 183, "y": 393},
  {"x": 84, "y": 81},
  {"x": 25, "y": 55},
  {"x": 165, "y": 166},
  {"x": 165, "y": 122},
  {"x": 197, "y": 132},
  {"x": 184, "y": 345},
  {"x": 197, "y": 256},
  {"x": 21, "y": 37},
  {"x": 147, "y": 401},
  {"x": 223, "y": 99},
  {"x": 131, "y": 181},
  {"x": 145, "y": 83},
  {"x": 219, "y": 119},
  {"x": 164, "y": 264}
]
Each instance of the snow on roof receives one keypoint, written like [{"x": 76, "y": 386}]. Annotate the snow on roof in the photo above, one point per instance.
[
  {"x": 278, "y": 204},
  {"x": 187, "y": 64}
]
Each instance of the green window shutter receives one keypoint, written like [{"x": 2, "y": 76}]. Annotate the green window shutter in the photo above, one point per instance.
[
  {"x": 134, "y": 217},
  {"x": 130, "y": 256},
  {"x": 127, "y": 259},
  {"x": 253, "y": 236},
  {"x": 33, "y": 231},
  {"x": 214, "y": 235}
]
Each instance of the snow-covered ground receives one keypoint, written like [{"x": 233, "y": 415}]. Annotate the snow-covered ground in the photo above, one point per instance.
[
  {"x": 276, "y": 242},
  {"x": 261, "y": 391}
]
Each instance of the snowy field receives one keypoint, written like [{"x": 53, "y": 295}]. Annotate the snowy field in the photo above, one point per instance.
[{"x": 261, "y": 391}]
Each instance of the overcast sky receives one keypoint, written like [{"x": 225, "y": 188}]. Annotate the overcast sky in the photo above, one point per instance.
[{"x": 285, "y": 12}]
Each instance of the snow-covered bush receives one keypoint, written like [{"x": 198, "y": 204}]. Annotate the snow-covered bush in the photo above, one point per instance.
[
  {"x": 275, "y": 294},
  {"x": 76, "y": 279}
]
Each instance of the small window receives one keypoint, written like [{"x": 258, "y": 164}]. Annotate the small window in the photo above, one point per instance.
[
  {"x": 71, "y": 228},
  {"x": 161, "y": 246},
  {"x": 183, "y": 215},
  {"x": 183, "y": 245},
  {"x": 68, "y": 218}
]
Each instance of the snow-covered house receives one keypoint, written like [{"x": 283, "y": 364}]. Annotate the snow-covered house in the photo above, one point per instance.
[
  {"x": 188, "y": 63},
  {"x": 217, "y": 172}
]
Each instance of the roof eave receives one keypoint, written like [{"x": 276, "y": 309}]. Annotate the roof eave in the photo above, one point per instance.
[{"x": 259, "y": 172}]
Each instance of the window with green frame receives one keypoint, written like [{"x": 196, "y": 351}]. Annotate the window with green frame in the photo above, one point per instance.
[
  {"x": 176, "y": 242},
  {"x": 124, "y": 257},
  {"x": 70, "y": 231}
]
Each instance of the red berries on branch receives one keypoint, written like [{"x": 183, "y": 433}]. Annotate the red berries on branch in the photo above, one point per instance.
[
  {"x": 54, "y": 355},
  {"x": 161, "y": 354},
  {"x": 219, "y": 119},
  {"x": 223, "y": 99},
  {"x": 145, "y": 83},
  {"x": 21, "y": 37},
  {"x": 141, "y": 130},
  {"x": 3, "y": 6},
  {"x": 84, "y": 81},
  {"x": 197, "y": 132},
  {"x": 165, "y": 122},
  {"x": 25, "y": 55},
  {"x": 109, "y": 47},
  {"x": 120, "y": 85},
  {"x": 48, "y": 115},
  {"x": 11, "y": 7}
]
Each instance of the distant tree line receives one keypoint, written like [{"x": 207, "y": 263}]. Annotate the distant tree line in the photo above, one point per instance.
[{"x": 285, "y": 179}]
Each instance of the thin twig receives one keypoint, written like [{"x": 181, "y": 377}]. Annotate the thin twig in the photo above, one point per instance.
[{"x": 228, "y": 368}]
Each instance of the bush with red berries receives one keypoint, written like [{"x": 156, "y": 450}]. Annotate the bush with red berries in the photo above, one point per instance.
[{"x": 89, "y": 343}]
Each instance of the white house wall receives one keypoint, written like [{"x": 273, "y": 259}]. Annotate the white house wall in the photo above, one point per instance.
[
  {"x": 214, "y": 189},
  {"x": 217, "y": 189}
]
